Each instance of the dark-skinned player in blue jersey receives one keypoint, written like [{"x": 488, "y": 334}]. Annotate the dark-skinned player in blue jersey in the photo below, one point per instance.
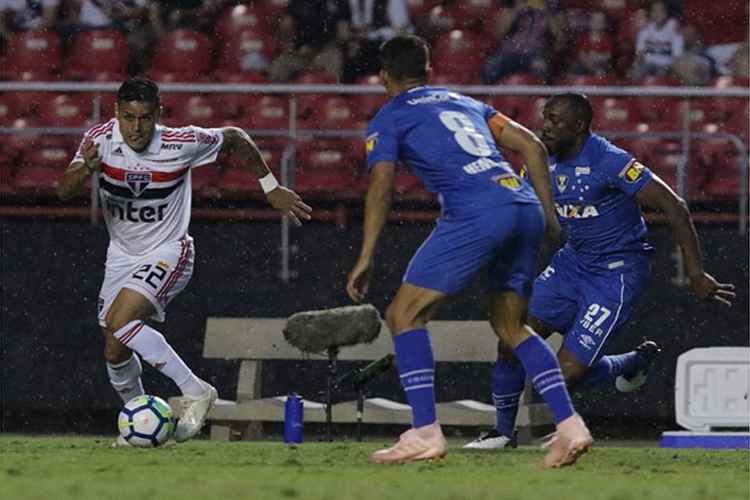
[
  {"x": 589, "y": 290},
  {"x": 491, "y": 219}
]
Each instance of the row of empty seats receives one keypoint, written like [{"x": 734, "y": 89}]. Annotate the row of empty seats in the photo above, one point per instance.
[{"x": 334, "y": 168}]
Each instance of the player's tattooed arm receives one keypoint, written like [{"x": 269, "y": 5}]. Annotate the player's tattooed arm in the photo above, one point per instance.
[
  {"x": 658, "y": 195},
  {"x": 516, "y": 137},
  {"x": 74, "y": 178},
  {"x": 286, "y": 201},
  {"x": 377, "y": 207}
]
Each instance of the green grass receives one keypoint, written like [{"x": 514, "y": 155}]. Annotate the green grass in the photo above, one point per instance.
[{"x": 83, "y": 468}]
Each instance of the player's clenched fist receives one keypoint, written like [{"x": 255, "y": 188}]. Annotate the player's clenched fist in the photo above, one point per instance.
[
  {"x": 91, "y": 157},
  {"x": 290, "y": 204}
]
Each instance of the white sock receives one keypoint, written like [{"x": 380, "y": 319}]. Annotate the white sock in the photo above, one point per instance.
[
  {"x": 125, "y": 377},
  {"x": 154, "y": 349}
]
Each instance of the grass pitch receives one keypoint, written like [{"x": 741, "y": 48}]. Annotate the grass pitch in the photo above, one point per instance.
[{"x": 84, "y": 468}]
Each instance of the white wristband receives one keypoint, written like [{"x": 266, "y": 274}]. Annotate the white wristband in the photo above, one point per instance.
[{"x": 268, "y": 183}]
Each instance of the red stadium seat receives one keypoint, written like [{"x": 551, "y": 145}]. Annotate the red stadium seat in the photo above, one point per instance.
[
  {"x": 240, "y": 17},
  {"x": 66, "y": 110},
  {"x": 100, "y": 52},
  {"x": 7, "y": 172},
  {"x": 660, "y": 111},
  {"x": 664, "y": 158},
  {"x": 514, "y": 105},
  {"x": 616, "y": 113},
  {"x": 42, "y": 165},
  {"x": 204, "y": 111},
  {"x": 461, "y": 53},
  {"x": 35, "y": 51},
  {"x": 420, "y": 7},
  {"x": 470, "y": 14},
  {"x": 273, "y": 8},
  {"x": 247, "y": 50},
  {"x": 367, "y": 105},
  {"x": 307, "y": 104},
  {"x": 8, "y": 109},
  {"x": 532, "y": 116},
  {"x": 183, "y": 52},
  {"x": 240, "y": 104},
  {"x": 204, "y": 179},
  {"x": 326, "y": 167},
  {"x": 236, "y": 180},
  {"x": 269, "y": 112},
  {"x": 334, "y": 113}
]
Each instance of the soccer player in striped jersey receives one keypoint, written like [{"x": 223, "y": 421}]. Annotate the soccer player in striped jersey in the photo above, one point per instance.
[{"x": 144, "y": 180}]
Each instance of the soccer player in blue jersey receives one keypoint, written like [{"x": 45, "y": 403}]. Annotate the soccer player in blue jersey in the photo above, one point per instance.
[
  {"x": 492, "y": 219},
  {"x": 589, "y": 290}
]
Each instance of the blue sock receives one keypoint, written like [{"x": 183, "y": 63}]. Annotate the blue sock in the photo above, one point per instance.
[
  {"x": 416, "y": 367},
  {"x": 508, "y": 380},
  {"x": 544, "y": 371},
  {"x": 608, "y": 368}
]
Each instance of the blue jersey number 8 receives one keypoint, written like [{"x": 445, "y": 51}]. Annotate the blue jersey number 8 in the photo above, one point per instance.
[{"x": 465, "y": 133}]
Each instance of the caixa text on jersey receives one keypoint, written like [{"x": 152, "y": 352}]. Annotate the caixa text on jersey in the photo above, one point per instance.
[{"x": 127, "y": 211}]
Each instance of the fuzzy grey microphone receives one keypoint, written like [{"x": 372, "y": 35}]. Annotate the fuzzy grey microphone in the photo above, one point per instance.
[{"x": 316, "y": 331}]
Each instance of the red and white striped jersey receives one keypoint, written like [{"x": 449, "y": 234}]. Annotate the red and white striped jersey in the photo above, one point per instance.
[{"x": 146, "y": 197}]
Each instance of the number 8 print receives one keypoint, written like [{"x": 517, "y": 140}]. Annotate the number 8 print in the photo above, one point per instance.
[{"x": 465, "y": 133}]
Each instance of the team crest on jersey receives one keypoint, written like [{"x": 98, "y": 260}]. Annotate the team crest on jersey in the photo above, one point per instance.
[
  {"x": 633, "y": 172},
  {"x": 509, "y": 181},
  {"x": 137, "y": 181},
  {"x": 371, "y": 142},
  {"x": 562, "y": 183}
]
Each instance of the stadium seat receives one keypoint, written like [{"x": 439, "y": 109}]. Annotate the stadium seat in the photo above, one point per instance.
[
  {"x": 514, "y": 105},
  {"x": 307, "y": 104},
  {"x": 183, "y": 52},
  {"x": 664, "y": 158},
  {"x": 247, "y": 50},
  {"x": 7, "y": 173},
  {"x": 66, "y": 110},
  {"x": 616, "y": 113},
  {"x": 531, "y": 116},
  {"x": 660, "y": 111},
  {"x": 42, "y": 164},
  {"x": 240, "y": 17},
  {"x": 418, "y": 8},
  {"x": 333, "y": 113},
  {"x": 8, "y": 109},
  {"x": 325, "y": 167},
  {"x": 35, "y": 51},
  {"x": 204, "y": 180},
  {"x": 99, "y": 52},
  {"x": 202, "y": 110},
  {"x": 236, "y": 105},
  {"x": 237, "y": 181},
  {"x": 703, "y": 111},
  {"x": 273, "y": 9},
  {"x": 269, "y": 112},
  {"x": 367, "y": 105},
  {"x": 461, "y": 54}
]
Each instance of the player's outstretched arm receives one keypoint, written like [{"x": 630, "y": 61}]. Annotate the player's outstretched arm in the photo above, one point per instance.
[
  {"x": 658, "y": 195},
  {"x": 514, "y": 136},
  {"x": 74, "y": 178},
  {"x": 377, "y": 207},
  {"x": 286, "y": 201}
]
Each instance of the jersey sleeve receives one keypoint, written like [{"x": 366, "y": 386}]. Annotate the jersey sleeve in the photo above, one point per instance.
[
  {"x": 208, "y": 142},
  {"x": 625, "y": 172},
  {"x": 382, "y": 140}
]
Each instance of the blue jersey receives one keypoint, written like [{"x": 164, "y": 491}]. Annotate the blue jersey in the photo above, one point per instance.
[
  {"x": 594, "y": 193},
  {"x": 445, "y": 139}
]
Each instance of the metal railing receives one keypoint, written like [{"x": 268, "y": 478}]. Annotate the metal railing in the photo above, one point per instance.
[{"x": 294, "y": 132}]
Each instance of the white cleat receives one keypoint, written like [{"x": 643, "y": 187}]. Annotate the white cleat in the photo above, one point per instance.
[
  {"x": 648, "y": 351},
  {"x": 632, "y": 384},
  {"x": 194, "y": 414},
  {"x": 121, "y": 442},
  {"x": 492, "y": 440}
]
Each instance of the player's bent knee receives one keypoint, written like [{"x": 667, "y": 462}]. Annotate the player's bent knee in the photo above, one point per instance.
[{"x": 114, "y": 351}]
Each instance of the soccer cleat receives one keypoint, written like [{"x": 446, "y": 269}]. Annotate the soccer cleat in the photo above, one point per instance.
[
  {"x": 493, "y": 440},
  {"x": 194, "y": 414},
  {"x": 571, "y": 440},
  {"x": 425, "y": 443},
  {"x": 648, "y": 351},
  {"x": 121, "y": 442}
]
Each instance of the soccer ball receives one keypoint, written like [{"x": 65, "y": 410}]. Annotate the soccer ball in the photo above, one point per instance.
[{"x": 146, "y": 421}]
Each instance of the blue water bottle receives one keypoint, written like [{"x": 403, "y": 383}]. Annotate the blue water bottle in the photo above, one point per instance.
[{"x": 294, "y": 416}]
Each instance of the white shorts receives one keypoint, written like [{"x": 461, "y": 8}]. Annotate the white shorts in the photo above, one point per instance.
[{"x": 159, "y": 276}]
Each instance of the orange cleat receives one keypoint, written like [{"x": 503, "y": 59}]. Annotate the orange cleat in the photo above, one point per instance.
[
  {"x": 571, "y": 440},
  {"x": 424, "y": 443}
]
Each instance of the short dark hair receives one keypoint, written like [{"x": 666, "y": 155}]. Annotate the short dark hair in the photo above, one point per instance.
[
  {"x": 405, "y": 57},
  {"x": 579, "y": 104},
  {"x": 138, "y": 89}
]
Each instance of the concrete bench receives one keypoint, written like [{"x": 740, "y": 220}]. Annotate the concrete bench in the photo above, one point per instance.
[{"x": 254, "y": 340}]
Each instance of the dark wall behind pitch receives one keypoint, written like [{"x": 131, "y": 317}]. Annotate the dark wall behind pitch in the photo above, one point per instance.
[{"x": 51, "y": 344}]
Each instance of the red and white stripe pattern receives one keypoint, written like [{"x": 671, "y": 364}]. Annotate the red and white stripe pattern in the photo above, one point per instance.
[
  {"x": 185, "y": 255},
  {"x": 131, "y": 332}
]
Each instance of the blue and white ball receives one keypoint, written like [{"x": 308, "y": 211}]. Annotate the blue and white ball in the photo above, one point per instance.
[{"x": 146, "y": 421}]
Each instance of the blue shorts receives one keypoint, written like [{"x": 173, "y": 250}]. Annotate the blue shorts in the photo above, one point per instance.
[
  {"x": 588, "y": 304},
  {"x": 505, "y": 241}
]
